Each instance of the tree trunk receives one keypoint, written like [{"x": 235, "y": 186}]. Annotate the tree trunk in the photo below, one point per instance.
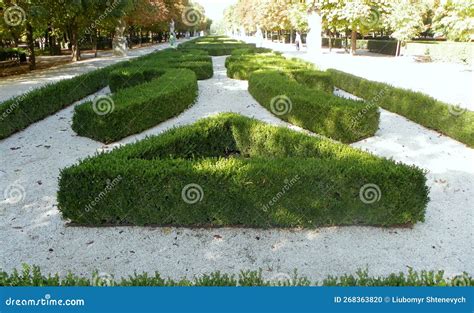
[
  {"x": 330, "y": 41},
  {"x": 291, "y": 36},
  {"x": 353, "y": 42},
  {"x": 94, "y": 42},
  {"x": 76, "y": 51},
  {"x": 397, "y": 52},
  {"x": 31, "y": 46}
]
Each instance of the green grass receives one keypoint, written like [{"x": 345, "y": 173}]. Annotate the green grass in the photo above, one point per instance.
[
  {"x": 135, "y": 109},
  {"x": 251, "y": 174},
  {"x": 31, "y": 276},
  {"x": 416, "y": 106}
]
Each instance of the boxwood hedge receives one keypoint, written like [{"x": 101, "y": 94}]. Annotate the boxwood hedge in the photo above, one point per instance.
[
  {"x": 216, "y": 45},
  {"x": 310, "y": 108},
  {"x": 231, "y": 170},
  {"x": 135, "y": 109},
  {"x": 298, "y": 93},
  {"x": 31, "y": 276},
  {"x": 152, "y": 66},
  {"x": 19, "y": 112},
  {"x": 452, "y": 121}
]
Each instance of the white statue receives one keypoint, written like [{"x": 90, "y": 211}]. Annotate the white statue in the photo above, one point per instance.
[
  {"x": 259, "y": 37},
  {"x": 313, "y": 40}
]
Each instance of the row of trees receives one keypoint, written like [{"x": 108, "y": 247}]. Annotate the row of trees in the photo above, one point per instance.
[
  {"x": 77, "y": 21},
  {"x": 400, "y": 19}
]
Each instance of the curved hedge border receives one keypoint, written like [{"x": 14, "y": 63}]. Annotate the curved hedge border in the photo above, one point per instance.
[
  {"x": 272, "y": 177},
  {"x": 216, "y": 45},
  {"x": 313, "y": 109},
  {"x": 32, "y": 277},
  {"x": 138, "y": 108},
  {"x": 296, "y": 92},
  {"x": 156, "y": 64},
  {"x": 416, "y": 106},
  {"x": 19, "y": 112}
]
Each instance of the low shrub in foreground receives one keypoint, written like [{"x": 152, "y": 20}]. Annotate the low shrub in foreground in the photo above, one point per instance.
[
  {"x": 452, "y": 121},
  {"x": 312, "y": 109},
  {"x": 32, "y": 276},
  {"x": 137, "y": 108},
  {"x": 231, "y": 170}
]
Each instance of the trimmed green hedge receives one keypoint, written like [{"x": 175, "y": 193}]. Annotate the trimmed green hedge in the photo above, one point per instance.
[
  {"x": 272, "y": 177},
  {"x": 312, "y": 109},
  {"x": 154, "y": 65},
  {"x": 379, "y": 46},
  {"x": 418, "y": 107},
  {"x": 138, "y": 108},
  {"x": 242, "y": 66},
  {"x": 19, "y": 112},
  {"x": 216, "y": 45},
  {"x": 31, "y": 276}
]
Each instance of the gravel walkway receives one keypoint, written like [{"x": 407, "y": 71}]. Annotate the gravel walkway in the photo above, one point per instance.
[{"x": 32, "y": 231}]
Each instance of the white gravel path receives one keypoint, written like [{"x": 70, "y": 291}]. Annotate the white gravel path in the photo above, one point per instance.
[{"x": 32, "y": 231}]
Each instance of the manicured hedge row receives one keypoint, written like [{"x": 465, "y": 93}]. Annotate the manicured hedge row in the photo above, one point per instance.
[
  {"x": 242, "y": 66},
  {"x": 378, "y": 46},
  {"x": 216, "y": 46},
  {"x": 19, "y": 112},
  {"x": 156, "y": 64},
  {"x": 12, "y": 54},
  {"x": 312, "y": 109},
  {"x": 138, "y": 108},
  {"x": 32, "y": 277},
  {"x": 272, "y": 177},
  {"x": 418, "y": 107}
]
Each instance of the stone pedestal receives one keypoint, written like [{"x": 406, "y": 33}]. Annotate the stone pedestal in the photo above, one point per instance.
[{"x": 314, "y": 40}]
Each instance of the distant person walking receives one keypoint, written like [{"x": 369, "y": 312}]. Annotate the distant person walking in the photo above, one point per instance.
[{"x": 298, "y": 42}]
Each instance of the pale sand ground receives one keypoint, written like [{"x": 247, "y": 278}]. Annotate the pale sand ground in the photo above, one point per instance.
[{"x": 32, "y": 231}]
